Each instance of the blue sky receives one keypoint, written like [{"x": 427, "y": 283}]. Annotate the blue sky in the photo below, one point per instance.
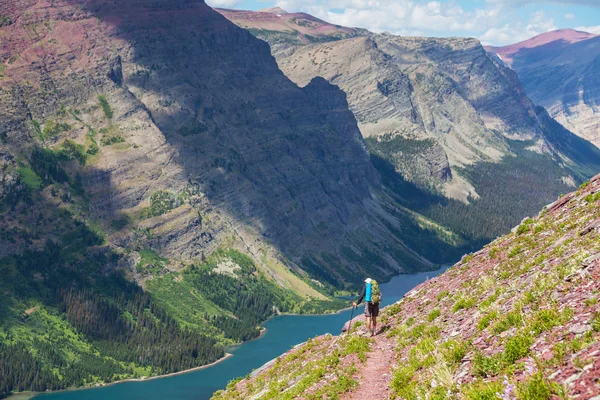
[{"x": 496, "y": 22}]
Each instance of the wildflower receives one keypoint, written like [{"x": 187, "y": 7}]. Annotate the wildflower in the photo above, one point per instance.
[
  {"x": 529, "y": 368},
  {"x": 509, "y": 390}
]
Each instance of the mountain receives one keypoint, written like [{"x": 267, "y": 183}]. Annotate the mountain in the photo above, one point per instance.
[
  {"x": 165, "y": 188},
  {"x": 285, "y": 28},
  {"x": 450, "y": 129},
  {"x": 559, "y": 72},
  {"x": 518, "y": 319}
]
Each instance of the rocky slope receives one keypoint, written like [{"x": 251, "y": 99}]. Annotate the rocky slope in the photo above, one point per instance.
[
  {"x": 444, "y": 116},
  {"x": 156, "y": 142},
  {"x": 558, "y": 70},
  {"x": 285, "y": 30},
  {"x": 280, "y": 168},
  {"x": 518, "y": 319}
]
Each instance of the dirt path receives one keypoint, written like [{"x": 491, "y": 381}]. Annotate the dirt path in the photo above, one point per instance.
[{"x": 375, "y": 375}]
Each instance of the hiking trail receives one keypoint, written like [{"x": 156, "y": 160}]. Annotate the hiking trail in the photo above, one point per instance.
[{"x": 375, "y": 375}]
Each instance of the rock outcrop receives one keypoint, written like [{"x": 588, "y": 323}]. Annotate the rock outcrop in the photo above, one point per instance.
[
  {"x": 559, "y": 71},
  {"x": 517, "y": 319},
  {"x": 439, "y": 104},
  {"x": 172, "y": 101}
]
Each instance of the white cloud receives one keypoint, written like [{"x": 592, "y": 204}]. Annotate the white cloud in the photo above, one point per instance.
[
  {"x": 497, "y": 24},
  {"x": 569, "y": 16},
  {"x": 594, "y": 3},
  {"x": 517, "y": 32},
  {"x": 591, "y": 29},
  {"x": 397, "y": 16},
  {"x": 223, "y": 3}
]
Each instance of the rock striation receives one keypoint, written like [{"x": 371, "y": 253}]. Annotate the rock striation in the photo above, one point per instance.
[
  {"x": 439, "y": 105},
  {"x": 180, "y": 102}
]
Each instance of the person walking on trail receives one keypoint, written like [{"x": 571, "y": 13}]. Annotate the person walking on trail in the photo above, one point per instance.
[{"x": 372, "y": 296}]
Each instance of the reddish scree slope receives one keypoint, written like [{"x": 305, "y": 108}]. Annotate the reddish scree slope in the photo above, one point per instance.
[{"x": 517, "y": 319}]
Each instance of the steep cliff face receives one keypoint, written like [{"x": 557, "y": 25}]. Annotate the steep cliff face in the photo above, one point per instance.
[
  {"x": 518, "y": 319},
  {"x": 559, "y": 72},
  {"x": 194, "y": 107},
  {"x": 449, "y": 119}
]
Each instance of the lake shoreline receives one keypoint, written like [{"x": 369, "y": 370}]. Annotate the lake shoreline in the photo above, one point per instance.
[
  {"x": 29, "y": 395},
  {"x": 233, "y": 348}
]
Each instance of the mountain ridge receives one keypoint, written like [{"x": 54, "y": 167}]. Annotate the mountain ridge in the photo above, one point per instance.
[
  {"x": 558, "y": 72},
  {"x": 435, "y": 109}
]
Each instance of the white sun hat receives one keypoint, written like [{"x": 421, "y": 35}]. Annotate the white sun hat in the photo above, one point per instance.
[{"x": 368, "y": 280}]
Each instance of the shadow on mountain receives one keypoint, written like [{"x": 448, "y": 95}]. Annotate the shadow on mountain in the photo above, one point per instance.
[{"x": 285, "y": 162}]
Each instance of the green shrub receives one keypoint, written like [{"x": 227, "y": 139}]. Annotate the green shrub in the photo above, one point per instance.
[
  {"x": 161, "y": 202},
  {"x": 545, "y": 320},
  {"x": 514, "y": 251},
  {"x": 590, "y": 198},
  {"x": 523, "y": 228},
  {"x": 488, "y": 302},
  {"x": 53, "y": 129},
  {"x": 494, "y": 252},
  {"x": 596, "y": 322},
  {"x": 486, "y": 366},
  {"x": 463, "y": 303},
  {"x": 93, "y": 149},
  {"x": 441, "y": 295},
  {"x": 73, "y": 151},
  {"x": 107, "y": 140},
  {"x": 29, "y": 178},
  {"x": 120, "y": 223},
  {"x": 195, "y": 129},
  {"x": 454, "y": 351},
  {"x": 482, "y": 391},
  {"x": 513, "y": 318},
  {"x": 402, "y": 378},
  {"x": 517, "y": 347},
  {"x": 590, "y": 301},
  {"x": 486, "y": 320},
  {"x": 536, "y": 387},
  {"x": 105, "y": 106},
  {"x": 434, "y": 314},
  {"x": 560, "y": 351},
  {"x": 150, "y": 262},
  {"x": 359, "y": 346}
]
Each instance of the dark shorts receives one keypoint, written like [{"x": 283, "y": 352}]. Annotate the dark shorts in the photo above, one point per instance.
[{"x": 371, "y": 310}]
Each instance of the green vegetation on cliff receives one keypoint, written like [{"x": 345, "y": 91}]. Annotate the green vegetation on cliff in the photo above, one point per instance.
[
  {"x": 70, "y": 317},
  {"x": 517, "y": 186}
]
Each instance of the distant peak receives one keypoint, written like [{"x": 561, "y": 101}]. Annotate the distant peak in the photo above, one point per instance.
[
  {"x": 567, "y": 35},
  {"x": 274, "y": 10}
]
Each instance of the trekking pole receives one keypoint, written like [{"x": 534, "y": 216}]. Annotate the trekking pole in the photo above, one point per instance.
[{"x": 350, "y": 320}]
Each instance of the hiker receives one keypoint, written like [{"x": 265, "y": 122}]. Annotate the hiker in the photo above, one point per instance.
[{"x": 372, "y": 296}]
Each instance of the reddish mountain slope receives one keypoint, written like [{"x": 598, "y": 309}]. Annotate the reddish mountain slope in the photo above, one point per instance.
[
  {"x": 562, "y": 36},
  {"x": 302, "y": 27},
  {"x": 518, "y": 319}
]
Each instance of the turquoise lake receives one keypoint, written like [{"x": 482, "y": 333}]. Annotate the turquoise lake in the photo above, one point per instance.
[{"x": 283, "y": 332}]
